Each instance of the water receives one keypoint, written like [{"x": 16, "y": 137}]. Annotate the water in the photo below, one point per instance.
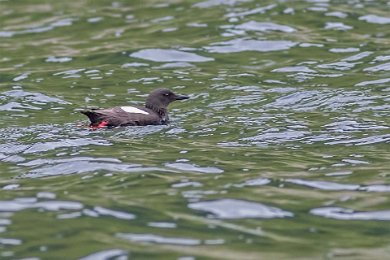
[{"x": 282, "y": 151}]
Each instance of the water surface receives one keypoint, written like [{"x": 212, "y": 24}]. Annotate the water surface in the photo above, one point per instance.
[{"x": 282, "y": 151}]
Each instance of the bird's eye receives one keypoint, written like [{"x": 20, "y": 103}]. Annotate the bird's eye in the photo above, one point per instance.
[{"x": 166, "y": 94}]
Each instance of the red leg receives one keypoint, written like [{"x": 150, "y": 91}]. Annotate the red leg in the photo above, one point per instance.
[{"x": 100, "y": 125}]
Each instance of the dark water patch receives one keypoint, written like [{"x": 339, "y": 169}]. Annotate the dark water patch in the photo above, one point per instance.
[
  {"x": 349, "y": 214},
  {"x": 236, "y": 209}
]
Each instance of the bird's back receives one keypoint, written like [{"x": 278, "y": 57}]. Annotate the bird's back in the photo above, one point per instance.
[{"x": 118, "y": 116}]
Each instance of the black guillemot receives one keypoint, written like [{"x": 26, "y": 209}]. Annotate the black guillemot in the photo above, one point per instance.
[{"x": 153, "y": 113}]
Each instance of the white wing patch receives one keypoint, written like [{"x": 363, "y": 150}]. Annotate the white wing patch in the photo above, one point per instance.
[{"x": 134, "y": 110}]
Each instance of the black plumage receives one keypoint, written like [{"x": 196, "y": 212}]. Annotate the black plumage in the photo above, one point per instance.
[{"x": 153, "y": 113}]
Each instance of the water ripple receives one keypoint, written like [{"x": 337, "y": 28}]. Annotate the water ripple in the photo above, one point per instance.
[
  {"x": 371, "y": 18},
  {"x": 276, "y": 137},
  {"x": 19, "y": 100},
  {"x": 161, "y": 55},
  {"x": 58, "y": 59},
  {"x": 151, "y": 238},
  {"x": 28, "y": 203},
  {"x": 348, "y": 214},
  {"x": 211, "y": 3},
  {"x": 337, "y": 26},
  {"x": 337, "y": 14},
  {"x": 236, "y": 209},
  {"x": 78, "y": 166},
  {"x": 39, "y": 29},
  {"x": 47, "y": 146},
  {"x": 239, "y": 45},
  {"x": 113, "y": 213},
  {"x": 107, "y": 254},
  {"x": 10, "y": 241},
  {"x": 258, "y": 10},
  {"x": 324, "y": 185},
  {"x": 182, "y": 166},
  {"x": 381, "y": 67},
  {"x": 263, "y": 27},
  {"x": 308, "y": 100},
  {"x": 372, "y": 82},
  {"x": 363, "y": 141}
]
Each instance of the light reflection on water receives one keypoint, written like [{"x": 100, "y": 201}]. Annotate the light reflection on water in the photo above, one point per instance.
[{"x": 286, "y": 133}]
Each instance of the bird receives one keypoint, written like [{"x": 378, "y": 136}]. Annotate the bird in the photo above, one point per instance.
[{"x": 153, "y": 113}]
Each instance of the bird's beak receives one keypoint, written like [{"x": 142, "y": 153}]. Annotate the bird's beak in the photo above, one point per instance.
[{"x": 181, "y": 97}]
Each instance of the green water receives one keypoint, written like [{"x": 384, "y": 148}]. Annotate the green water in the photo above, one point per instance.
[{"x": 282, "y": 151}]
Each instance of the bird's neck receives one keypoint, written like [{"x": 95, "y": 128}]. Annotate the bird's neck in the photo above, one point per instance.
[{"x": 161, "y": 111}]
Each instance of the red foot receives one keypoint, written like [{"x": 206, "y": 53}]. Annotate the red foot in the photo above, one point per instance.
[{"x": 100, "y": 125}]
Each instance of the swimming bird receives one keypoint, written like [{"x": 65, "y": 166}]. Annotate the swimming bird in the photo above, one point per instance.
[{"x": 153, "y": 113}]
